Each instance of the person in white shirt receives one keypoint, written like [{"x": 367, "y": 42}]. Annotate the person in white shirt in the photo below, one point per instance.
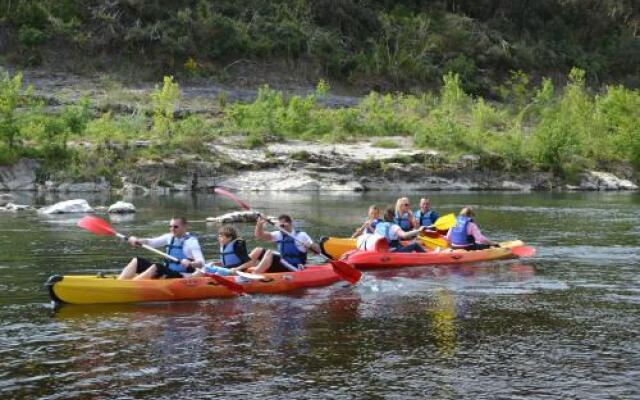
[
  {"x": 178, "y": 243},
  {"x": 292, "y": 247}
]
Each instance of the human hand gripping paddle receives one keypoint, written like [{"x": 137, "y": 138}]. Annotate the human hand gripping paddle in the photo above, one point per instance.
[
  {"x": 101, "y": 227},
  {"x": 344, "y": 270}
]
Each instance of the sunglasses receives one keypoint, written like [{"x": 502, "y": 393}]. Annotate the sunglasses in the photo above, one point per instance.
[{"x": 174, "y": 226}]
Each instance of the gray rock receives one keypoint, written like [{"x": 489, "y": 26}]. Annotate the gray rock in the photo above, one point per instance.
[
  {"x": 83, "y": 187},
  {"x": 5, "y": 198},
  {"x": 234, "y": 217},
  {"x": 133, "y": 189},
  {"x": 595, "y": 180},
  {"x": 121, "y": 207},
  {"x": 16, "y": 207},
  {"x": 20, "y": 176},
  {"x": 68, "y": 206}
]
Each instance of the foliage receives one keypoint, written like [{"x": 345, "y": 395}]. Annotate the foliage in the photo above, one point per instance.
[
  {"x": 397, "y": 45},
  {"x": 164, "y": 102}
]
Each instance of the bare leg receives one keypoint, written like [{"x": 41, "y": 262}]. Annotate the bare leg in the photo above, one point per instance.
[
  {"x": 265, "y": 263},
  {"x": 129, "y": 272},
  {"x": 149, "y": 273}
]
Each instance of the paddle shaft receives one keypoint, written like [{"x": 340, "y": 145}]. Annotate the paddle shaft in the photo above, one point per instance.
[{"x": 151, "y": 249}]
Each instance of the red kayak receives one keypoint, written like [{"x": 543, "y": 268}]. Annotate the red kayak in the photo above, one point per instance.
[{"x": 372, "y": 259}]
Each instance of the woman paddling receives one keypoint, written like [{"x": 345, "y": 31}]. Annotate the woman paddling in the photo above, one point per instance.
[{"x": 466, "y": 234}]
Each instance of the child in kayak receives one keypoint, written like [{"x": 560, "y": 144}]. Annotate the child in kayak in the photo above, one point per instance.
[
  {"x": 233, "y": 254},
  {"x": 466, "y": 234},
  {"x": 369, "y": 226},
  {"x": 394, "y": 233}
]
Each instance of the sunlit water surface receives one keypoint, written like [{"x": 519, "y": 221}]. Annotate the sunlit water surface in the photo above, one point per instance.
[{"x": 564, "y": 324}]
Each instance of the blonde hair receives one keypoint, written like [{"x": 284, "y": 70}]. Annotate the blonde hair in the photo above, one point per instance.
[
  {"x": 399, "y": 202},
  {"x": 467, "y": 212},
  {"x": 372, "y": 209}
]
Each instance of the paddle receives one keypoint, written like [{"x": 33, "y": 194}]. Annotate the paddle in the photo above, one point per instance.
[
  {"x": 346, "y": 271},
  {"x": 523, "y": 251},
  {"x": 101, "y": 227},
  {"x": 445, "y": 222}
]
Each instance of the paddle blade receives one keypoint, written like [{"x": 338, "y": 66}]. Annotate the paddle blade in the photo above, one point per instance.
[
  {"x": 96, "y": 225},
  {"x": 229, "y": 284},
  {"x": 239, "y": 202},
  {"x": 445, "y": 222},
  {"x": 524, "y": 251},
  {"x": 346, "y": 271}
]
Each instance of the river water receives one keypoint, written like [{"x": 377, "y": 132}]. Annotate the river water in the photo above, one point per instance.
[{"x": 564, "y": 324}]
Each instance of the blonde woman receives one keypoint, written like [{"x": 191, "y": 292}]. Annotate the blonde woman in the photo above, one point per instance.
[{"x": 403, "y": 216}]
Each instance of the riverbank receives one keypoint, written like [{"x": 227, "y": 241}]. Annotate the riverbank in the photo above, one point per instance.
[{"x": 74, "y": 134}]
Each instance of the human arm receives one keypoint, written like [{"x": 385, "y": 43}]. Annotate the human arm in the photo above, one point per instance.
[
  {"x": 195, "y": 258},
  {"x": 473, "y": 230},
  {"x": 259, "y": 230},
  {"x": 407, "y": 235},
  {"x": 155, "y": 242}
]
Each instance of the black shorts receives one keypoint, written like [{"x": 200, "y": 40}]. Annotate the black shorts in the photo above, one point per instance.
[
  {"x": 276, "y": 265},
  {"x": 161, "y": 269}
]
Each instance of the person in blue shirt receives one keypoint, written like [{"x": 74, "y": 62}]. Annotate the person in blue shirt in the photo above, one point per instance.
[
  {"x": 403, "y": 217},
  {"x": 425, "y": 216},
  {"x": 394, "y": 233},
  {"x": 233, "y": 254}
]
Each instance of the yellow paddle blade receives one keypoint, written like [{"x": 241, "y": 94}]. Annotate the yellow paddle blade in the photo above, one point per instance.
[
  {"x": 445, "y": 222},
  {"x": 433, "y": 243}
]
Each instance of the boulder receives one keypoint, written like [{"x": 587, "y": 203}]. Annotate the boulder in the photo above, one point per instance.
[
  {"x": 20, "y": 176},
  {"x": 15, "y": 207},
  {"x": 595, "y": 180},
  {"x": 237, "y": 216},
  {"x": 68, "y": 206},
  {"x": 84, "y": 187},
  {"x": 121, "y": 207},
  {"x": 131, "y": 189},
  {"x": 5, "y": 198}
]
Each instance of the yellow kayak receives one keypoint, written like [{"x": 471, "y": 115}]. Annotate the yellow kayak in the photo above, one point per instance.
[{"x": 335, "y": 247}]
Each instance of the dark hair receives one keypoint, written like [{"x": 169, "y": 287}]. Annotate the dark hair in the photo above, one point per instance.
[
  {"x": 228, "y": 231},
  {"x": 389, "y": 215},
  {"x": 285, "y": 218},
  {"x": 183, "y": 220}
]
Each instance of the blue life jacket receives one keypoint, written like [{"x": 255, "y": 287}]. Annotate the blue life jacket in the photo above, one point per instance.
[
  {"x": 176, "y": 249},
  {"x": 290, "y": 252},
  {"x": 426, "y": 219},
  {"x": 403, "y": 221},
  {"x": 228, "y": 254},
  {"x": 459, "y": 236},
  {"x": 384, "y": 229},
  {"x": 372, "y": 226}
]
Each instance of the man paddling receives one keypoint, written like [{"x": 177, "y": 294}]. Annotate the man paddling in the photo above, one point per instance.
[
  {"x": 178, "y": 243},
  {"x": 292, "y": 247}
]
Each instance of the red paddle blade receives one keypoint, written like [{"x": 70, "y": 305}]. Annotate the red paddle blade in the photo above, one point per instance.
[
  {"x": 239, "y": 202},
  {"x": 96, "y": 225},
  {"x": 346, "y": 271},
  {"x": 524, "y": 251},
  {"x": 229, "y": 284}
]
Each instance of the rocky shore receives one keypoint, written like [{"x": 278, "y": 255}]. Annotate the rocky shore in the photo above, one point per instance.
[{"x": 312, "y": 166}]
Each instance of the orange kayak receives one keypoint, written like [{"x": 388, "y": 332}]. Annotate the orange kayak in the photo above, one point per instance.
[
  {"x": 371, "y": 259},
  {"x": 85, "y": 289}
]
